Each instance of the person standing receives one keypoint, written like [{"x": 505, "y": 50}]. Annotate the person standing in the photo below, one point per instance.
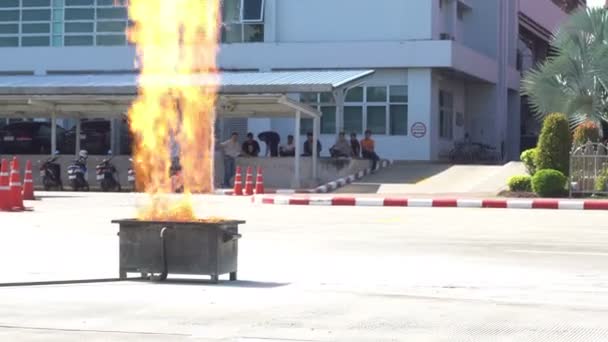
[
  {"x": 368, "y": 149},
  {"x": 354, "y": 145},
  {"x": 231, "y": 149},
  {"x": 251, "y": 148},
  {"x": 272, "y": 140}
]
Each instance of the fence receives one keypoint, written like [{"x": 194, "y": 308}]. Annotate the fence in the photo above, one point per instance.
[{"x": 589, "y": 169}]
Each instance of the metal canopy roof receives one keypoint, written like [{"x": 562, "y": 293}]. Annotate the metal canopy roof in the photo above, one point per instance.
[{"x": 280, "y": 82}]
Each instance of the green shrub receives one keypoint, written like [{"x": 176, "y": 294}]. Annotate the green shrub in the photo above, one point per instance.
[
  {"x": 601, "y": 181},
  {"x": 521, "y": 183},
  {"x": 554, "y": 144},
  {"x": 528, "y": 157},
  {"x": 549, "y": 183},
  {"x": 585, "y": 132}
]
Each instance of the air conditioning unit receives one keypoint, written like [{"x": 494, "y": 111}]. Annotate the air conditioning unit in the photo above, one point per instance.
[{"x": 446, "y": 36}]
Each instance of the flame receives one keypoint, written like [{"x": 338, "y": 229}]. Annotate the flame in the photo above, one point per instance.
[{"x": 177, "y": 42}]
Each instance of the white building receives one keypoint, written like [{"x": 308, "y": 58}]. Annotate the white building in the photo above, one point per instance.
[{"x": 443, "y": 67}]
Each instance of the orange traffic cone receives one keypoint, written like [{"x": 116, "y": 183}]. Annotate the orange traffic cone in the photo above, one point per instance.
[
  {"x": 28, "y": 182},
  {"x": 15, "y": 199},
  {"x": 4, "y": 189},
  {"x": 249, "y": 182},
  {"x": 238, "y": 183},
  {"x": 259, "y": 182}
]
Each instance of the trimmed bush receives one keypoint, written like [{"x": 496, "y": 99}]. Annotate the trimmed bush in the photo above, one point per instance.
[
  {"x": 585, "y": 132},
  {"x": 601, "y": 181},
  {"x": 528, "y": 157},
  {"x": 549, "y": 183},
  {"x": 521, "y": 183},
  {"x": 554, "y": 144}
]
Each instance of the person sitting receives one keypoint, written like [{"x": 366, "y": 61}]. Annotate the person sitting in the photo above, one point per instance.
[
  {"x": 272, "y": 140},
  {"x": 308, "y": 146},
  {"x": 368, "y": 149},
  {"x": 288, "y": 150},
  {"x": 251, "y": 148},
  {"x": 354, "y": 145},
  {"x": 341, "y": 148}
]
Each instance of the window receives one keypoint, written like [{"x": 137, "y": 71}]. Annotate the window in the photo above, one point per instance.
[
  {"x": 65, "y": 22},
  {"x": 243, "y": 21},
  {"x": 353, "y": 119},
  {"x": 381, "y": 109},
  {"x": 324, "y": 103},
  {"x": 446, "y": 115}
]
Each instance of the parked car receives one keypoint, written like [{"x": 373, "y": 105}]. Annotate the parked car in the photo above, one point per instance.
[
  {"x": 95, "y": 137},
  {"x": 29, "y": 137}
]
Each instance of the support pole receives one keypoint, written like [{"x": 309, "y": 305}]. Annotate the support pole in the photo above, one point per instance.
[
  {"x": 315, "y": 151},
  {"x": 77, "y": 136},
  {"x": 298, "y": 152},
  {"x": 53, "y": 133}
]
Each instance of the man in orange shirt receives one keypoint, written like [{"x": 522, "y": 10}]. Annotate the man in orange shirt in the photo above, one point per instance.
[{"x": 368, "y": 149}]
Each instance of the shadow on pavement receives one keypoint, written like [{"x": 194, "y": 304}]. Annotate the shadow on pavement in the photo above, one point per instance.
[{"x": 222, "y": 283}]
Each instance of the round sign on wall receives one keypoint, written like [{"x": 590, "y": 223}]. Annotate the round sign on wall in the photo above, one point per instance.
[{"x": 418, "y": 130}]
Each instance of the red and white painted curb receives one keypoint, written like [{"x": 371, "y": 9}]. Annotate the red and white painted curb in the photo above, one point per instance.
[
  {"x": 440, "y": 203},
  {"x": 331, "y": 186}
]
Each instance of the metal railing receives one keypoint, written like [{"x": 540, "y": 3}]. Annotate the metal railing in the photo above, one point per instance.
[{"x": 589, "y": 169}]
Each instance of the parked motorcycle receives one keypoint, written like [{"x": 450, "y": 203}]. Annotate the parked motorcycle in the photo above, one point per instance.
[
  {"x": 107, "y": 175},
  {"x": 77, "y": 173},
  {"x": 50, "y": 173}
]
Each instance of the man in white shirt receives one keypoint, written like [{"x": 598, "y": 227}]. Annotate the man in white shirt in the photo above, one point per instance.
[
  {"x": 231, "y": 149},
  {"x": 289, "y": 149}
]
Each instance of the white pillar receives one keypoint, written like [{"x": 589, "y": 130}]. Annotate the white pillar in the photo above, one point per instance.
[
  {"x": 298, "y": 152},
  {"x": 77, "y": 136},
  {"x": 339, "y": 98},
  {"x": 53, "y": 132},
  {"x": 315, "y": 138}
]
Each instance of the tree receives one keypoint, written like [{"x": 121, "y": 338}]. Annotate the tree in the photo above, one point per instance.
[
  {"x": 575, "y": 81},
  {"x": 554, "y": 143}
]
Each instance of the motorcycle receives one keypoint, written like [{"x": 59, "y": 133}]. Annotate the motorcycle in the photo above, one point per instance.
[
  {"x": 77, "y": 175},
  {"x": 50, "y": 173},
  {"x": 131, "y": 175},
  {"x": 107, "y": 175}
]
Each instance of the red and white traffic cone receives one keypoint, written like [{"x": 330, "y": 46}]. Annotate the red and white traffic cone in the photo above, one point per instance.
[
  {"x": 249, "y": 182},
  {"x": 259, "y": 182},
  {"x": 28, "y": 183},
  {"x": 238, "y": 182},
  {"x": 15, "y": 195},
  {"x": 4, "y": 188}
]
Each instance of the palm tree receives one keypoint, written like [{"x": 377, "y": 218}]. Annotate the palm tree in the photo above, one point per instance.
[{"x": 575, "y": 80}]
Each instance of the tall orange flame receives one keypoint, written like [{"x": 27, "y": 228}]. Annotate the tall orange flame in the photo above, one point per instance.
[{"x": 176, "y": 41}]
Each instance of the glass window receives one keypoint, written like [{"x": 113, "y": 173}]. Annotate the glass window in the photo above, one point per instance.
[
  {"x": 306, "y": 125},
  {"x": 253, "y": 33},
  {"x": 353, "y": 119},
  {"x": 398, "y": 94},
  {"x": 446, "y": 115},
  {"x": 78, "y": 27},
  {"x": 111, "y": 40},
  {"x": 36, "y": 15},
  {"x": 9, "y": 41},
  {"x": 232, "y": 33},
  {"x": 36, "y": 41},
  {"x": 105, "y": 2},
  {"x": 58, "y": 3},
  {"x": 308, "y": 97},
  {"x": 328, "y": 120},
  {"x": 327, "y": 98},
  {"x": 9, "y": 28},
  {"x": 355, "y": 95},
  {"x": 253, "y": 10},
  {"x": 111, "y": 26},
  {"x": 231, "y": 11},
  {"x": 9, "y": 15},
  {"x": 79, "y": 14},
  {"x": 35, "y": 28},
  {"x": 9, "y": 3},
  {"x": 376, "y": 119},
  {"x": 398, "y": 120},
  {"x": 78, "y": 40},
  {"x": 79, "y": 2},
  {"x": 376, "y": 94},
  {"x": 112, "y": 13},
  {"x": 36, "y": 3}
]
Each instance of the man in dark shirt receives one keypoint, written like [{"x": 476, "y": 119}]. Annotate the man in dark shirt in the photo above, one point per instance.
[
  {"x": 272, "y": 140},
  {"x": 308, "y": 146},
  {"x": 354, "y": 145},
  {"x": 251, "y": 148}
]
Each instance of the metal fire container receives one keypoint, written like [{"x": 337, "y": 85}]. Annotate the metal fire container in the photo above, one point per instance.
[{"x": 156, "y": 248}]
